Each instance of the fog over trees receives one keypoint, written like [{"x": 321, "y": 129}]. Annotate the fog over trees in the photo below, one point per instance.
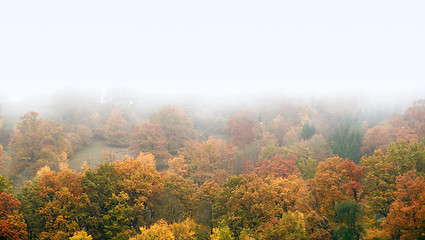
[
  {"x": 121, "y": 166},
  {"x": 212, "y": 120}
]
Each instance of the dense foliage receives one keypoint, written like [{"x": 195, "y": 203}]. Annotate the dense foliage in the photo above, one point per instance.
[{"x": 297, "y": 172}]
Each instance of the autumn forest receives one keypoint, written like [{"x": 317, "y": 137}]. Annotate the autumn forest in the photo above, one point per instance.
[{"x": 120, "y": 166}]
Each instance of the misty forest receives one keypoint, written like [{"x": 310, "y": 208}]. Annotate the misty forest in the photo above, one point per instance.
[{"x": 122, "y": 166}]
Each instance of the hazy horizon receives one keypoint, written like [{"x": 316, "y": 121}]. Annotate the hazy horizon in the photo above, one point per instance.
[{"x": 214, "y": 49}]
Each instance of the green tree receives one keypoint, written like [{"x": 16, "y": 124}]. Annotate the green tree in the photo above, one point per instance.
[
  {"x": 407, "y": 156},
  {"x": 349, "y": 217},
  {"x": 307, "y": 131},
  {"x": 347, "y": 140},
  {"x": 108, "y": 211}
]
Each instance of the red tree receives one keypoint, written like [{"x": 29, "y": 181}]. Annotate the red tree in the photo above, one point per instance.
[
  {"x": 12, "y": 225},
  {"x": 241, "y": 127},
  {"x": 277, "y": 166}
]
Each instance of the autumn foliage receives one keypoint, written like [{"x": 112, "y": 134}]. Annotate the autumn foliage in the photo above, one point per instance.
[
  {"x": 276, "y": 177},
  {"x": 116, "y": 130},
  {"x": 407, "y": 212},
  {"x": 150, "y": 138},
  {"x": 36, "y": 143},
  {"x": 12, "y": 225},
  {"x": 241, "y": 128}
]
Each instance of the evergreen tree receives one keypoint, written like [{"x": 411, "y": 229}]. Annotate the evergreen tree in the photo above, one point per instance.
[
  {"x": 347, "y": 140},
  {"x": 307, "y": 131}
]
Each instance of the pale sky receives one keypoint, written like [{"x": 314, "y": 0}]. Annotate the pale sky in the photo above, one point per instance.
[{"x": 213, "y": 47}]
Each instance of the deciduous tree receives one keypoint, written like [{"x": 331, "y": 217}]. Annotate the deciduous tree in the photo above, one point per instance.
[
  {"x": 277, "y": 166},
  {"x": 379, "y": 183},
  {"x": 54, "y": 204},
  {"x": 185, "y": 230},
  {"x": 376, "y": 138},
  {"x": 204, "y": 200},
  {"x": 415, "y": 116},
  {"x": 209, "y": 160},
  {"x": 290, "y": 226},
  {"x": 335, "y": 181},
  {"x": 349, "y": 220},
  {"x": 244, "y": 202},
  {"x": 36, "y": 143},
  {"x": 407, "y": 157},
  {"x": 241, "y": 128},
  {"x": 4, "y": 161},
  {"x": 407, "y": 212},
  {"x": 150, "y": 138},
  {"x": 116, "y": 130},
  {"x": 12, "y": 225},
  {"x": 177, "y": 126}
]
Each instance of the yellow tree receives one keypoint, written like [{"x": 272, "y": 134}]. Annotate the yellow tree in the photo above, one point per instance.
[
  {"x": 379, "y": 183},
  {"x": 245, "y": 202},
  {"x": 185, "y": 230},
  {"x": 209, "y": 160},
  {"x": 4, "y": 161},
  {"x": 141, "y": 182},
  {"x": 81, "y": 235},
  {"x": 36, "y": 143}
]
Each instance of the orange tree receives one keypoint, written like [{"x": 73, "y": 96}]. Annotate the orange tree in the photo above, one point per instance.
[
  {"x": 150, "y": 138},
  {"x": 406, "y": 219},
  {"x": 53, "y": 204},
  {"x": 209, "y": 160},
  {"x": 337, "y": 191}
]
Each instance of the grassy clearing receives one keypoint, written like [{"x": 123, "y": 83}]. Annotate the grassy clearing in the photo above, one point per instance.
[{"x": 92, "y": 154}]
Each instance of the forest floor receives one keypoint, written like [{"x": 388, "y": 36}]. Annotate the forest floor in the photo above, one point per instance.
[{"x": 92, "y": 154}]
